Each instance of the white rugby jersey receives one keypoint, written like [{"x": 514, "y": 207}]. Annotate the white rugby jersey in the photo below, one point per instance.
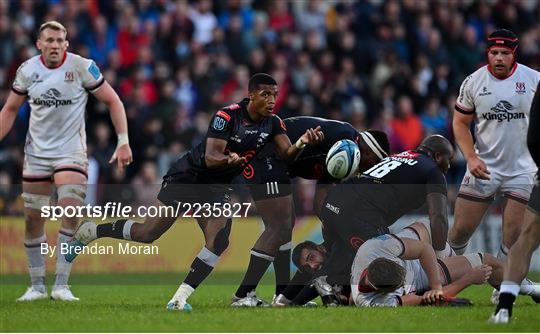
[
  {"x": 57, "y": 98},
  {"x": 390, "y": 247},
  {"x": 501, "y": 109}
]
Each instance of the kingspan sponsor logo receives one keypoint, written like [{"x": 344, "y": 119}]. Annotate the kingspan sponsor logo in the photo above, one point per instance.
[
  {"x": 51, "y": 98},
  {"x": 502, "y": 111}
]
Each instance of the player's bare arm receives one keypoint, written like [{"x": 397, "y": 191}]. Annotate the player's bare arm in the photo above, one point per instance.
[
  {"x": 414, "y": 249},
  {"x": 106, "y": 94},
  {"x": 9, "y": 112},
  {"x": 462, "y": 133},
  {"x": 476, "y": 275},
  {"x": 438, "y": 218},
  {"x": 215, "y": 156},
  {"x": 288, "y": 151}
]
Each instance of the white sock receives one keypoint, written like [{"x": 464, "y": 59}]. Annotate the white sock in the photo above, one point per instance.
[
  {"x": 510, "y": 287},
  {"x": 182, "y": 293},
  {"x": 528, "y": 287},
  {"x": 63, "y": 268},
  {"x": 459, "y": 249},
  {"x": 36, "y": 261}
]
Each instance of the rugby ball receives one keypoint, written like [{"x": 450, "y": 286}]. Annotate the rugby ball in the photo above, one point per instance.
[{"x": 342, "y": 159}]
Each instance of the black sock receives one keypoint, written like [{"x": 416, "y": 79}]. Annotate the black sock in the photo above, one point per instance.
[
  {"x": 296, "y": 284},
  {"x": 198, "y": 272},
  {"x": 308, "y": 293},
  {"x": 506, "y": 300},
  {"x": 258, "y": 263},
  {"x": 282, "y": 264},
  {"x": 111, "y": 230}
]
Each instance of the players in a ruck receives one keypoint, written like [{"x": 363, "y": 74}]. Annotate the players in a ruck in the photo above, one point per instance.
[
  {"x": 56, "y": 84},
  {"x": 365, "y": 206},
  {"x": 236, "y": 134},
  {"x": 268, "y": 177}
]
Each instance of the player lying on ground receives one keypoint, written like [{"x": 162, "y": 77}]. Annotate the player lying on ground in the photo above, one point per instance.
[
  {"x": 392, "y": 270},
  {"x": 519, "y": 257},
  {"x": 310, "y": 258},
  {"x": 203, "y": 175},
  {"x": 269, "y": 180}
]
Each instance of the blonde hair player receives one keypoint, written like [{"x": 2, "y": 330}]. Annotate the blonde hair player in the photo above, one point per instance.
[{"x": 56, "y": 84}]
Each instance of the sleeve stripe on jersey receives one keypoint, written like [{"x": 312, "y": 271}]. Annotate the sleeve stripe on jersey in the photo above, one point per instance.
[
  {"x": 97, "y": 85},
  {"x": 464, "y": 111},
  {"x": 401, "y": 242},
  {"x": 224, "y": 115},
  {"x": 18, "y": 92}
]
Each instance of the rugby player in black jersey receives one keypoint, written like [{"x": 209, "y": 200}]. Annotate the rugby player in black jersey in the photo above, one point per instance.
[
  {"x": 268, "y": 178},
  {"x": 364, "y": 207},
  {"x": 519, "y": 256},
  {"x": 235, "y": 135}
]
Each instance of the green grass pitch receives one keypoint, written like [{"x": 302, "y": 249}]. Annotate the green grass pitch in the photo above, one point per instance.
[{"x": 136, "y": 303}]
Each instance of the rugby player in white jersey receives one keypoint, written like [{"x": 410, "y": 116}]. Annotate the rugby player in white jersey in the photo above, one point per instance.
[
  {"x": 402, "y": 269},
  {"x": 56, "y": 84},
  {"x": 497, "y": 97}
]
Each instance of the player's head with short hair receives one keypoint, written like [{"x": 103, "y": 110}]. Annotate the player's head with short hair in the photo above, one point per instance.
[
  {"x": 52, "y": 43},
  {"x": 439, "y": 149},
  {"x": 385, "y": 275},
  {"x": 259, "y": 79},
  {"x": 53, "y": 25},
  {"x": 374, "y": 147},
  {"x": 501, "y": 46},
  {"x": 263, "y": 91},
  {"x": 308, "y": 257}
]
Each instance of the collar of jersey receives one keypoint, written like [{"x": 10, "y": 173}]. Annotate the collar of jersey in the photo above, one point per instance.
[
  {"x": 506, "y": 77},
  {"x": 52, "y": 68}
]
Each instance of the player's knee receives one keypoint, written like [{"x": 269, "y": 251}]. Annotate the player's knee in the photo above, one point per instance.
[
  {"x": 221, "y": 241},
  {"x": 35, "y": 202},
  {"x": 75, "y": 192}
]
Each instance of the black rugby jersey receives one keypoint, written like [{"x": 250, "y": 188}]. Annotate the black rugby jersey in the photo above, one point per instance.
[
  {"x": 243, "y": 136},
  {"x": 311, "y": 163},
  {"x": 397, "y": 185},
  {"x": 533, "y": 135}
]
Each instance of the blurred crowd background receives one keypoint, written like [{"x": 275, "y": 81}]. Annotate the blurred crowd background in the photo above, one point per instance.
[{"x": 391, "y": 65}]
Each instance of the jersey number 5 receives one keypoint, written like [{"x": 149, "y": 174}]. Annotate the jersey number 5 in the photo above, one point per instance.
[{"x": 382, "y": 168}]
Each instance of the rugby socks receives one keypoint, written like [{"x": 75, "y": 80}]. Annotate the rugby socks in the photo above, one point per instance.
[
  {"x": 282, "y": 264},
  {"x": 63, "y": 268},
  {"x": 36, "y": 262},
  {"x": 502, "y": 253},
  {"x": 508, "y": 293},
  {"x": 120, "y": 229},
  {"x": 258, "y": 263},
  {"x": 201, "y": 267},
  {"x": 459, "y": 249}
]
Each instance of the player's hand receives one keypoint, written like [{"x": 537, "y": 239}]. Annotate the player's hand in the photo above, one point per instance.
[
  {"x": 480, "y": 274},
  {"x": 433, "y": 295},
  {"x": 312, "y": 136},
  {"x": 236, "y": 160},
  {"x": 122, "y": 155},
  {"x": 478, "y": 168}
]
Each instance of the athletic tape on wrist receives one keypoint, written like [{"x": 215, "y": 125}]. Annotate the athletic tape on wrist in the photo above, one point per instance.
[
  {"x": 299, "y": 144},
  {"x": 123, "y": 139},
  {"x": 373, "y": 144}
]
